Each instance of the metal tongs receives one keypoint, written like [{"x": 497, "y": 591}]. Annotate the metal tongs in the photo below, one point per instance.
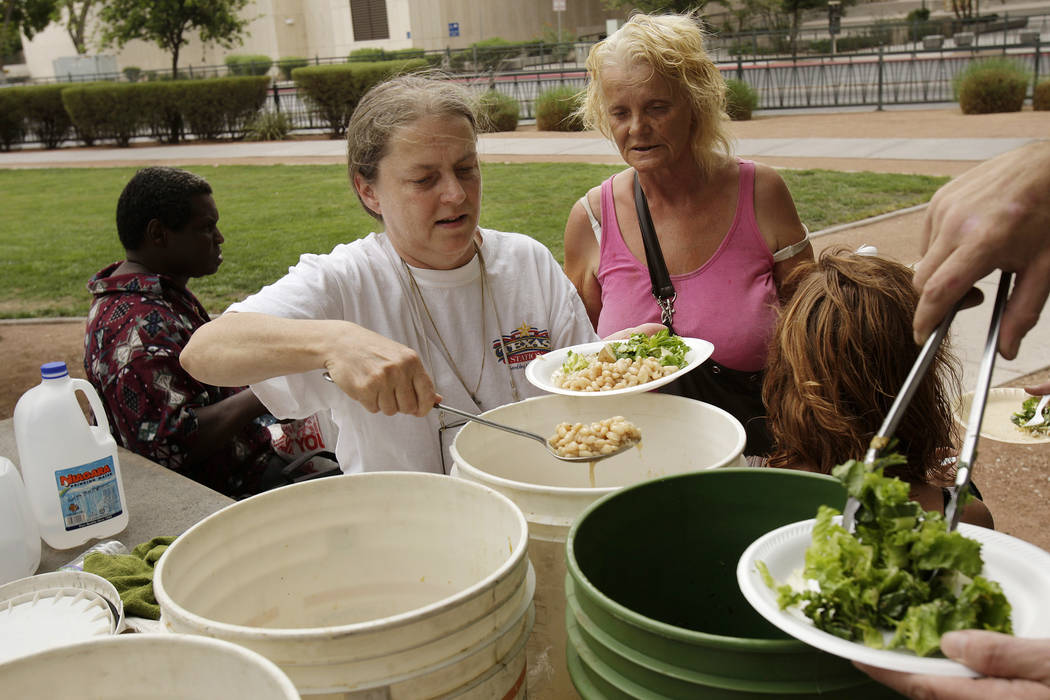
[{"x": 911, "y": 383}]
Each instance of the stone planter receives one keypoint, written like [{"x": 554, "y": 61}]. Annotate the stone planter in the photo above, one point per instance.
[
  {"x": 932, "y": 41},
  {"x": 1029, "y": 36},
  {"x": 964, "y": 39}
]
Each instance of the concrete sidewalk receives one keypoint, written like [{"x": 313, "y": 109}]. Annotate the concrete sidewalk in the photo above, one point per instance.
[{"x": 585, "y": 146}]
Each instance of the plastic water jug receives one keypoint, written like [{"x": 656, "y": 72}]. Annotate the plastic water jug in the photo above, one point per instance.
[
  {"x": 70, "y": 467},
  {"x": 19, "y": 536}
]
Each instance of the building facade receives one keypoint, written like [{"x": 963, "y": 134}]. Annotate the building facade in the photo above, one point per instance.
[{"x": 324, "y": 29}]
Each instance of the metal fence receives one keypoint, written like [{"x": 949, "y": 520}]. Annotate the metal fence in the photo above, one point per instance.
[{"x": 877, "y": 79}]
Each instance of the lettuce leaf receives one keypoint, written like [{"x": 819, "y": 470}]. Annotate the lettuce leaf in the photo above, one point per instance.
[{"x": 901, "y": 579}]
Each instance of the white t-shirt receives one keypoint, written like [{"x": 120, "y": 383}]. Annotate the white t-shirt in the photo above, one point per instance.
[{"x": 365, "y": 282}]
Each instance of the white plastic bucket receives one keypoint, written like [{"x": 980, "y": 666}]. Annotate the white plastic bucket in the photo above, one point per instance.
[
  {"x": 399, "y": 583},
  {"x": 678, "y": 435},
  {"x": 145, "y": 666}
]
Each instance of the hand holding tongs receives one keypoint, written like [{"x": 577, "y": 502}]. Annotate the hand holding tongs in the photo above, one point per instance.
[{"x": 911, "y": 384}]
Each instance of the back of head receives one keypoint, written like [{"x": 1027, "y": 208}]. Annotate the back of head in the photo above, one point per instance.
[
  {"x": 841, "y": 351},
  {"x": 156, "y": 193},
  {"x": 396, "y": 103},
  {"x": 672, "y": 45}
]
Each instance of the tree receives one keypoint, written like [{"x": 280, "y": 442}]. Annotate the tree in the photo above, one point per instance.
[
  {"x": 168, "y": 22},
  {"x": 74, "y": 15},
  {"x": 21, "y": 16}
]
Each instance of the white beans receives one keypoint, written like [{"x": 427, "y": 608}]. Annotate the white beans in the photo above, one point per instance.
[
  {"x": 594, "y": 439},
  {"x": 605, "y": 376}
]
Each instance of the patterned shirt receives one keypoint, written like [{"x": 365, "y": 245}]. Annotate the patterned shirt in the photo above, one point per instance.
[{"x": 137, "y": 326}]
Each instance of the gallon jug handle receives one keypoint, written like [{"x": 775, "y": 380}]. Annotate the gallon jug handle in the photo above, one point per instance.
[{"x": 96, "y": 403}]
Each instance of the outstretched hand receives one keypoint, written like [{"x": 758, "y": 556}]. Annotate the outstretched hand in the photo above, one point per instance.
[
  {"x": 995, "y": 216},
  {"x": 1013, "y": 667}
]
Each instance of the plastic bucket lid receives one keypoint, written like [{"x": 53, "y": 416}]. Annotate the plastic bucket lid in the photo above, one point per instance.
[{"x": 54, "y": 609}]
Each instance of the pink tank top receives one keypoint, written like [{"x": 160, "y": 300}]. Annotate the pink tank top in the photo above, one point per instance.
[{"x": 730, "y": 300}]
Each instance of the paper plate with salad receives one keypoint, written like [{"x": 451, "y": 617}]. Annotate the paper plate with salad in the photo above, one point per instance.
[
  {"x": 616, "y": 367},
  {"x": 1005, "y": 413},
  {"x": 885, "y": 593}
]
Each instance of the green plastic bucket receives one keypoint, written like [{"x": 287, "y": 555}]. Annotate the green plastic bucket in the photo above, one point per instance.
[{"x": 653, "y": 609}]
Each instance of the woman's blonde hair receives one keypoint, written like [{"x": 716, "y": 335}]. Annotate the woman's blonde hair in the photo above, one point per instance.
[
  {"x": 841, "y": 351},
  {"x": 395, "y": 103},
  {"x": 673, "y": 47}
]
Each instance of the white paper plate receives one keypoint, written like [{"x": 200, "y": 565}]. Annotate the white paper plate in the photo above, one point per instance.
[
  {"x": 1002, "y": 403},
  {"x": 1022, "y": 569},
  {"x": 540, "y": 369}
]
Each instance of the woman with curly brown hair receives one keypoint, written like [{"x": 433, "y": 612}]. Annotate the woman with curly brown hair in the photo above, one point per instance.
[{"x": 841, "y": 351}]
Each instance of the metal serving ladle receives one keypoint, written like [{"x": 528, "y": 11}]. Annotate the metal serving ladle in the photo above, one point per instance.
[
  {"x": 522, "y": 433},
  {"x": 534, "y": 436}
]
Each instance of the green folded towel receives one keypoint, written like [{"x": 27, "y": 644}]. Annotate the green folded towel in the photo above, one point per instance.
[{"x": 132, "y": 575}]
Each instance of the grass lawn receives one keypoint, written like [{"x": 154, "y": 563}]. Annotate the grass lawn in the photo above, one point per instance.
[{"x": 57, "y": 225}]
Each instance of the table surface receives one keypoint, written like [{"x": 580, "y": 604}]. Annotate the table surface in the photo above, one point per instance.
[{"x": 159, "y": 501}]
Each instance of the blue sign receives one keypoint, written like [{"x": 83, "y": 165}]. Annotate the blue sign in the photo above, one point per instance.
[{"x": 453, "y": 28}]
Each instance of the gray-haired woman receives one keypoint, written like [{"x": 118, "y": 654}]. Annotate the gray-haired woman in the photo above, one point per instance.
[{"x": 431, "y": 309}]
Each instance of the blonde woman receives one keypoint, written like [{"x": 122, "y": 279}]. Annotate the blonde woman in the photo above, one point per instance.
[{"x": 727, "y": 227}]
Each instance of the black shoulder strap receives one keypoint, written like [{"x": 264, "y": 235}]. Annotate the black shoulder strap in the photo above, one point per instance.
[{"x": 663, "y": 289}]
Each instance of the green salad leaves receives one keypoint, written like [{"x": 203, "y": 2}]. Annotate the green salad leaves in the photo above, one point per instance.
[
  {"x": 1026, "y": 414},
  {"x": 901, "y": 579},
  {"x": 669, "y": 349}
]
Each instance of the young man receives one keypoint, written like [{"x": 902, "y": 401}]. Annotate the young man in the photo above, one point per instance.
[{"x": 141, "y": 318}]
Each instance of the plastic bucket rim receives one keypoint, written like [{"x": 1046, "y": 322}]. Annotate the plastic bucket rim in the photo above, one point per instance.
[
  {"x": 301, "y": 634},
  {"x": 275, "y": 672},
  {"x": 488, "y": 477},
  {"x": 665, "y": 629}
]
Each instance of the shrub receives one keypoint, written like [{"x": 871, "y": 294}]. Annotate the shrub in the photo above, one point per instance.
[
  {"x": 45, "y": 115},
  {"x": 1041, "y": 96},
  {"x": 248, "y": 64},
  {"x": 289, "y": 63},
  {"x": 405, "y": 54},
  {"x": 489, "y": 54},
  {"x": 132, "y": 74},
  {"x": 367, "y": 55},
  {"x": 498, "y": 112},
  {"x": 332, "y": 91},
  {"x": 106, "y": 110},
  {"x": 218, "y": 106},
  {"x": 991, "y": 85},
  {"x": 741, "y": 100},
  {"x": 12, "y": 121},
  {"x": 556, "y": 109},
  {"x": 269, "y": 126},
  {"x": 161, "y": 101}
]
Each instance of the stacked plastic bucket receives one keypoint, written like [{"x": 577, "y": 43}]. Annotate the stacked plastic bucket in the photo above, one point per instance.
[
  {"x": 678, "y": 435},
  {"x": 653, "y": 606},
  {"x": 389, "y": 584}
]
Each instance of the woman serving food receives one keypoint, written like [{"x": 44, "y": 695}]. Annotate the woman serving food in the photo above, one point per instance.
[
  {"x": 727, "y": 228},
  {"x": 433, "y": 308}
]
